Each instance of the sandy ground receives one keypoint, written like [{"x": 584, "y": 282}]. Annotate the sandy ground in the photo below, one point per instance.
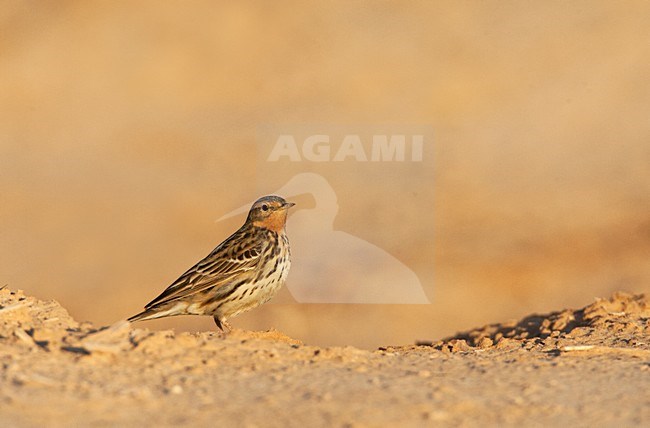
[{"x": 587, "y": 367}]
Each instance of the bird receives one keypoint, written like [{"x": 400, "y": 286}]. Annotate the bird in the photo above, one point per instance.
[{"x": 241, "y": 273}]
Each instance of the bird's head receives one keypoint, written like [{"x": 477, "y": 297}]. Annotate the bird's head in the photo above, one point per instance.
[{"x": 269, "y": 212}]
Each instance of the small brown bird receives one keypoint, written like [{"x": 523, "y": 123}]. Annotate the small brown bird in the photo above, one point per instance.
[{"x": 243, "y": 272}]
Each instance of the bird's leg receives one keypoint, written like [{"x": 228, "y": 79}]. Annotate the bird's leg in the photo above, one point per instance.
[{"x": 223, "y": 325}]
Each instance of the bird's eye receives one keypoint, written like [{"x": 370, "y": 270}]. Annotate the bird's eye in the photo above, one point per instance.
[{"x": 265, "y": 207}]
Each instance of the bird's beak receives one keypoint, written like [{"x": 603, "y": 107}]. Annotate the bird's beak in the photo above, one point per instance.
[{"x": 288, "y": 205}]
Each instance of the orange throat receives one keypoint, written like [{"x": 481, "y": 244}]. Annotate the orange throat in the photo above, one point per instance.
[{"x": 274, "y": 222}]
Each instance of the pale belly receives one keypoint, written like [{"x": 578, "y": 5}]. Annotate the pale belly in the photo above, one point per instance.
[{"x": 249, "y": 296}]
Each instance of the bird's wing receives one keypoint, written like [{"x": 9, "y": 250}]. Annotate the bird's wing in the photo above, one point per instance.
[{"x": 233, "y": 260}]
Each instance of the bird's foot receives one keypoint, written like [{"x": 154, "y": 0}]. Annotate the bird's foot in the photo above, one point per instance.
[{"x": 223, "y": 325}]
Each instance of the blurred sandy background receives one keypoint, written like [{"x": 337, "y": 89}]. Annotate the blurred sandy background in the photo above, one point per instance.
[{"x": 126, "y": 129}]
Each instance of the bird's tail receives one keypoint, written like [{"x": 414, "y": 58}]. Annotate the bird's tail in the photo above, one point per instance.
[{"x": 147, "y": 314}]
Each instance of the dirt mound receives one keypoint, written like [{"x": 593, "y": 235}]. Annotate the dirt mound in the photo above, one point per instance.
[
  {"x": 620, "y": 321},
  {"x": 59, "y": 372}
]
